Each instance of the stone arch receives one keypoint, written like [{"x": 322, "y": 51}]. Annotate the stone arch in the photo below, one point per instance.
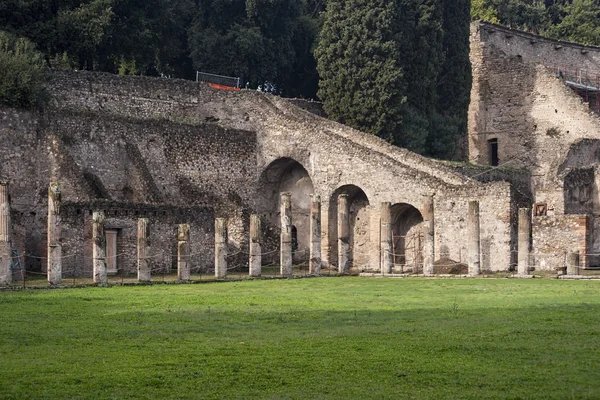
[
  {"x": 360, "y": 237},
  {"x": 286, "y": 175},
  {"x": 407, "y": 237}
]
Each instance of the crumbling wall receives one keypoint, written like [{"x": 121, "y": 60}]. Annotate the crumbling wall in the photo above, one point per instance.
[
  {"x": 133, "y": 145},
  {"x": 554, "y": 237},
  {"x": 518, "y": 100}
]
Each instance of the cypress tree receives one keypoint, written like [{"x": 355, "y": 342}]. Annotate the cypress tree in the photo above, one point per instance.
[
  {"x": 358, "y": 60},
  {"x": 423, "y": 63},
  {"x": 453, "y": 87},
  {"x": 389, "y": 68}
]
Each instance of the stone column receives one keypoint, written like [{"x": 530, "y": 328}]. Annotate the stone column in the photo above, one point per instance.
[
  {"x": 220, "y": 248},
  {"x": 343, "y": 230},
  {"x": 183, "y": 252},
  {"x": 5, "y": 238},
  {"x": 315, "y": 235},
  {"x": 429, "y": 238},
  {"x": 255, "y": 261},
  {"x": 99, "y": 248},
  {"x": 286, "y": 234},
  {"x": 54, "y": 268},
  {"x": 473, "y": 242},
  {"x": 573, "y": 263},
  {"x": 325, "y": 243},
  {"x": 524, "y": 237},
  {"x": 387, "y": 262},
  {"x": 374, "y": 238},
  {"x": 143, "y": 243}
]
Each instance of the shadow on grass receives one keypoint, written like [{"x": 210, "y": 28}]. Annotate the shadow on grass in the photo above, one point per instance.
[{"x": 236, "y": 342}]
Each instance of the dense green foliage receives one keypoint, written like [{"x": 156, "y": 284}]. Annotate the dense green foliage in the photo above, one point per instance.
[
  {"x": 392, "y": 68},
  {"x": 337, "y": 338},
  {"x": 258, "y": 40},
  {"x": 22, "y": 72},
  {"x": 359, "y": 65},
  {"x": 572, "y": 20},
  {"x": 135, "y": 36}
]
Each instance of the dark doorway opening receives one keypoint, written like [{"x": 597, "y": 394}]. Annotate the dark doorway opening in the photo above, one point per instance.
[{"x": 493, "y": 149}]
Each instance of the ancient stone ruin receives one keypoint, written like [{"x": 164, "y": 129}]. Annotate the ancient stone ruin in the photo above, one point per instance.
[{"x": 136, "y": 175}]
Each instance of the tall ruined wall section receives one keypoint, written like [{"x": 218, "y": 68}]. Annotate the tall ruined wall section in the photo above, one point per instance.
[
  {"x": 513, "y": 93},
  {"x": 539, "y": 124}
]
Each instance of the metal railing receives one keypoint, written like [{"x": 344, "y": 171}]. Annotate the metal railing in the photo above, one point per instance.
[{"x": 221, "y": 80}]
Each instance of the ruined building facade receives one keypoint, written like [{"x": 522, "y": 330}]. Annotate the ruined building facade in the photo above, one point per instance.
[
  {"x": 534, "y": 104},
  {"x": 178, "y": 152}
]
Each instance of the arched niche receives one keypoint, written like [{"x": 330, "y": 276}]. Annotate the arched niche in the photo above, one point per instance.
[
  {"x": 407, "y": 237},
  {"x": 287, "y": 175},
  {"x": 360, "y": 235}
]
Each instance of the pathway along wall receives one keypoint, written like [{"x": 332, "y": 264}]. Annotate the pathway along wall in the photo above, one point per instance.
[{"x": 178, "y": 152}]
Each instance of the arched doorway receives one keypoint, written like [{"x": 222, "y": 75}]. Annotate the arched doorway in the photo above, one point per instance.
[
  {"x": 407, "y": 238},
  {"x": 286, "y": 175},
  {"x": 359, "y": 219}
]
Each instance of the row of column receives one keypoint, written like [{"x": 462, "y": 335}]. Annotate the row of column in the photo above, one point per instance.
[
  {"x": 285, "y": 250},
  {"x": 54, "y": 267},
  {"x": 343, "y": 220}
]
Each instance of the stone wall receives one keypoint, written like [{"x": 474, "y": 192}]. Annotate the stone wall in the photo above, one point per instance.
[
  {"x": 135, "y": 145},
  {"x": 539, "y": 123},
  {"x": 554, "y": 237}
]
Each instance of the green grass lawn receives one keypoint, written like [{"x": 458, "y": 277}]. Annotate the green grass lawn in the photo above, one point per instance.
[{"x": 304, "y": 339}]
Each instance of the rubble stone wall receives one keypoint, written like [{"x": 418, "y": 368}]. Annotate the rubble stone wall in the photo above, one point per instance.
[
  {"x": 143, "y": 145},
  {"x": 539, "y": 123}
]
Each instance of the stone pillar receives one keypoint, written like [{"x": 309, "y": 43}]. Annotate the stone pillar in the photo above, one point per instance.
[
  {"x": 325, "y": 234},
  {"x": 374, "y": 238},
  {"x": 387, "y": 262},
  {"x": 143, "y": 243},
  {"x": 99, "y": 248},
  {"x": 255, "y": 261},
  {"x": 220, "y": 248},
  {"x": 54, "y": 268},
  {"x": 343, "y": 230},
  {"x": 286, "y": 234},
  {"x": 473, "y": 242},
  {"x": 5, "y": 238},
  {"x": 429, "y": 237},
  {"x": 183, "y": 252},
  {"x": 315, "y": 235},
  {"x": 573, "y": 263},
  {"x": 524, "y": 240}
]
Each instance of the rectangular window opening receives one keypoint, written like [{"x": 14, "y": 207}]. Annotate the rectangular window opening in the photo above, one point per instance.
[{"x": 493, "y": 152}]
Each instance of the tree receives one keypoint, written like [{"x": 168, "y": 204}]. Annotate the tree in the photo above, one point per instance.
[
  {"x": 480, "y": 9},
  {"x": 257, "y": 40},
  {"x": 150, "y": 37},
  {"x": 449, "y": 123},
  {"x": 389, "y": 68},
  {"x": 581, "y": 23},
  {"x": 147, "y": 37},
  {"x": 573, "y": 20},
  {"x": 22, "y": 72},
  {"x": 358, "y": 60}
]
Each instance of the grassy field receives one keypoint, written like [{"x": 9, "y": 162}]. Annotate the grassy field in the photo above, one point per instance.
[{"x": 335, "y": 338}]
